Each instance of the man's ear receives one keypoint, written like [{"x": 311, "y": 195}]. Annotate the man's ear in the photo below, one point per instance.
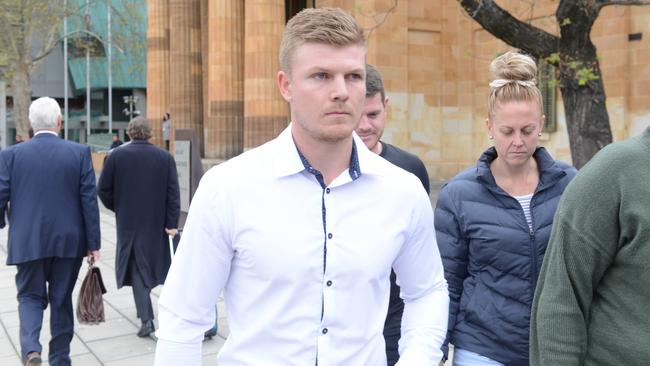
[{"x": 284, "y": 85}]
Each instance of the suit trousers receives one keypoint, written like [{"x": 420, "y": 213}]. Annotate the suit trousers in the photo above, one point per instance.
[
  {"x": 141, "y": 293},
  {"x": 39, "y": 283}
]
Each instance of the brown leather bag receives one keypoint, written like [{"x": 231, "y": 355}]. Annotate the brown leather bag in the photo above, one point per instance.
[{"x": 90, "y": 304}]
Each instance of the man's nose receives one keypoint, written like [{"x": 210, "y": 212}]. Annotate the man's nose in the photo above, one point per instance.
[
  {"x": 339, "y": 89},
  {"x": 363, "y": 123}
]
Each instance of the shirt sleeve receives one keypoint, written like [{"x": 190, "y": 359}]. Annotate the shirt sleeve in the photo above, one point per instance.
[
  {"x": 198, "y": 273},
  {"x": 454, "y": 250},
  {"x": 423, "y": 289},
  {"x": 580, "y": 250}
]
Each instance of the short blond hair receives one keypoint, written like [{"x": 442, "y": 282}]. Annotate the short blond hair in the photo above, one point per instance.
[
  {"x": 515, "y": 80},
  {"x": 331, "y": 26}
]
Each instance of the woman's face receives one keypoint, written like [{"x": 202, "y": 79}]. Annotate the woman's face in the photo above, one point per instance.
[{"x": 515, "y": 127}]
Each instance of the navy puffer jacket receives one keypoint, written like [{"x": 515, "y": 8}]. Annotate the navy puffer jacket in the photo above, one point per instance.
[{"x": 492, "y": 258}]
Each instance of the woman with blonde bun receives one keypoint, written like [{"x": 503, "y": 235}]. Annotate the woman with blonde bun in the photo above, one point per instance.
[{"x": 493, "y": 222}]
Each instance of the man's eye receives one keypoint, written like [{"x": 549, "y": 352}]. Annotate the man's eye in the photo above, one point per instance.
[
  {"x": 320, "y": 76},
  {"x": 355, "y": 77}
]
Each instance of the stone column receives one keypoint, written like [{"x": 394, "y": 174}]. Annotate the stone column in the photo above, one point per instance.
[
  {"x": 157, "y": 66},
  {"x": 265, "y": 112},
  {"x": 185, "y": 67},
  {"x": 223, "y": 83}
]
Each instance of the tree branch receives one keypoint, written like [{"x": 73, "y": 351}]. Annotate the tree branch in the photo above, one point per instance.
[
  {"x": 603, "y": 3},
  {"x": 511, "y": 30}
]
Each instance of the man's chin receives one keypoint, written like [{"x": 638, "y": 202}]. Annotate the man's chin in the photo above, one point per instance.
[{"x": 336, "y": 133}]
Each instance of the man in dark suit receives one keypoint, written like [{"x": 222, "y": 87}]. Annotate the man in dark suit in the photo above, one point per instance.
[
  {"x": 139, "y": 183},
  {"x": 49, "y": 184}
]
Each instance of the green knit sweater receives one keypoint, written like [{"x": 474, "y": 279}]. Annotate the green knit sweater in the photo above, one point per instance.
[{"x": 592, "y": 303}]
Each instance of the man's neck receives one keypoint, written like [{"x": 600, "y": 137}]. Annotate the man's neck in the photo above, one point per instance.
[
  {"x": 53, "y": 132},
  {"x": 379, "y": 147},
  {"x": 329, "y": 158}
]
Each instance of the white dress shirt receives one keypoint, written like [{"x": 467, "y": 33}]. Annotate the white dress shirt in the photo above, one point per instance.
[{"x": 304, "y": 270}]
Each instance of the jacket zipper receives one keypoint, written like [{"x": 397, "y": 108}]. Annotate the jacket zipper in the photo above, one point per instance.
[{"x": 533, "y": 246}]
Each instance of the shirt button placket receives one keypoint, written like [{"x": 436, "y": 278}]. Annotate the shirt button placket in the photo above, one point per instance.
[{"x": 324, "y": 346}]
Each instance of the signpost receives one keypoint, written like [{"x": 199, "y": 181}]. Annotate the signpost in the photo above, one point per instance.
[{"x": 188, "y": 167}]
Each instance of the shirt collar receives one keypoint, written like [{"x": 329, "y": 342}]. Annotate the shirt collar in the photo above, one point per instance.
[
  {"x": 289, "y": 160},
  {"x": 45, "y": 131}
]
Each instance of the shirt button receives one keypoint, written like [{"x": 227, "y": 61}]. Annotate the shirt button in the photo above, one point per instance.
[
  {"x": 324, "y": 330},
  {"x": 329, "y": 236},
  {"x": 327, "y": 191},
  {"x": 329, "y": 283}
]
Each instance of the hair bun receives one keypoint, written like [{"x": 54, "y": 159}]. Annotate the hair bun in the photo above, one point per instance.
[{"x": 514, "y": 66}]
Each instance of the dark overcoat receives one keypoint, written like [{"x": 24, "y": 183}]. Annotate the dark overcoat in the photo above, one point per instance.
[
  {"x": 139, "y": 183},
  {"x": 50, "y": 185}
]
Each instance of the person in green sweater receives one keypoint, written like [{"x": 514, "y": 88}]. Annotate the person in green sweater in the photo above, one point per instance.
[{"x": 592, "y": 300}]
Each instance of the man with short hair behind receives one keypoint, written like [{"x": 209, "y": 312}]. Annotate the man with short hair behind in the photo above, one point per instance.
[
  {"x": 53, "y": 223},
  {"x": 370, "y": 129},
  {"x": 294, "y": 234},
  {"x": 140, "y": 184}
]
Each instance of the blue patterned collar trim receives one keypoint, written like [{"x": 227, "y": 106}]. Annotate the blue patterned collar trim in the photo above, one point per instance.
[{"x": 354, "y": 168}]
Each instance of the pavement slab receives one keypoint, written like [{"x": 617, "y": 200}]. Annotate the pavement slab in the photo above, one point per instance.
[{"x": 111, "y": 343}]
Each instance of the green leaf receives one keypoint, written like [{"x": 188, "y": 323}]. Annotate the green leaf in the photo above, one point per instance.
[{"x": 554, "y": 58}]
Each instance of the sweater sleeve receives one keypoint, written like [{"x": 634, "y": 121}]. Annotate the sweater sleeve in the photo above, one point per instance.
[
  {"x": 454, "y": 253},
  {"x": 582, "y": 246}
]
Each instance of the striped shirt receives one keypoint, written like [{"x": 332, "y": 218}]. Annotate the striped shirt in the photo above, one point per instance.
[{"x": 524, "y": 201}]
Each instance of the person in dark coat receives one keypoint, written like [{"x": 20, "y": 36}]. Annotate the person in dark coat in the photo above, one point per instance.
[
  {"x": 139, "y": 183},
  {"x": 116, "y": 142},
  {"x": 493, "y": 222},
  {"x": 49, "y": 184}
]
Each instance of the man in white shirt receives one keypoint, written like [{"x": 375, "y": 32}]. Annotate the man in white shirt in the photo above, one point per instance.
[{"x": 294, "y": 234}]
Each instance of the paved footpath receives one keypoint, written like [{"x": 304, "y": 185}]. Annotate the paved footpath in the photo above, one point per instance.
[{"x": 111, "y": 343}]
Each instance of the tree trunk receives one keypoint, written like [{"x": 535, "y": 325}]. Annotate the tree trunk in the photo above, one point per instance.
[
  {"x": 584, "y": 105},
  {"x": 586, "y": 118},
  {"x": 22, "y": 97}
]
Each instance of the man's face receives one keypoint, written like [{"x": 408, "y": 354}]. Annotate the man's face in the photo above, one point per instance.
[
  {"x": 326, "y": 90},
  {"x": 373, "y": 119}
]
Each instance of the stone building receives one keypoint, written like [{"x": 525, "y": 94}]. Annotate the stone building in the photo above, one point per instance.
[{"x": 212, "y": 65}]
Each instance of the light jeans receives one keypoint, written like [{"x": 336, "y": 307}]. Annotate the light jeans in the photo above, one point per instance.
[{"x": 468, "y": 358}]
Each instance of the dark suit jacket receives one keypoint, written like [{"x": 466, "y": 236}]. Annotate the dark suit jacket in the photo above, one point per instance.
[
  {"x": 140, "y": 184},
  {"x": 50, "y": 185}
]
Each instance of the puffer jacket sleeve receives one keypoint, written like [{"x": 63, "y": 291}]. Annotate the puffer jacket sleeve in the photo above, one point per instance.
[{"x": 453, "y": 250}]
